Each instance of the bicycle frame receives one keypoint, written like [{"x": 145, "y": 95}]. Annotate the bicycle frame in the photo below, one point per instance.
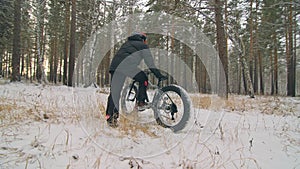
[
  {"x": 150, "y": 84},
  {"x": 172, "y": 108}
]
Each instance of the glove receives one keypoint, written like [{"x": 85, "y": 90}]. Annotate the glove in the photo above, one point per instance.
[{"x": 158, "y": 74}]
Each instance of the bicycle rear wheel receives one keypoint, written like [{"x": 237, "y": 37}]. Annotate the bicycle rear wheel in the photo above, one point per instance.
[
  {"x": 128, "y": 99},
  {"x": 172, "y": 107}
]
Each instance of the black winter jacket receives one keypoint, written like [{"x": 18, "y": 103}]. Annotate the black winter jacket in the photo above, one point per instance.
[{"x": 130, "y": 55}]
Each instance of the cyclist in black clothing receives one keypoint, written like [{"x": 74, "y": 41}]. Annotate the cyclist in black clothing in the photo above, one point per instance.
[{"x": 125, "y": 64}]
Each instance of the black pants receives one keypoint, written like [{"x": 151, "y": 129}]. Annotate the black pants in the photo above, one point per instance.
[{"x": 117, "y": 82}]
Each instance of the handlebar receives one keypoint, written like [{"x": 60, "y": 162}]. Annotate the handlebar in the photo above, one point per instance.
[{"x": 148, "y": 72}]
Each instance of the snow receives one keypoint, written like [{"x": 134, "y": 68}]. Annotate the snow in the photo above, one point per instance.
[{"x": 44, "y": 126}]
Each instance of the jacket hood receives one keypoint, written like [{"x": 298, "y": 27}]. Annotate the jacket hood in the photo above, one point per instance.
[{"x": 135, "y": 37}]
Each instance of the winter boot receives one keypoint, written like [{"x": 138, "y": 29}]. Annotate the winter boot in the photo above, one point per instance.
[
  {"x": 142, "y": 105},
  {"x": 112, "y": 121}
]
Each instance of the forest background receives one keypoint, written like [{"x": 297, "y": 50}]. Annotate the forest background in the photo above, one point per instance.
[{"x": 257, "y": 41}]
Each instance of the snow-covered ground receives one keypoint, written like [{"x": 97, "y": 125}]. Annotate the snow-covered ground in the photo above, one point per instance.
[{"x": 64, "y": 128}]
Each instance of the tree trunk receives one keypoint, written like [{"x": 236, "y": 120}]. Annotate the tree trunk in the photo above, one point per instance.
[
  {"x": 246, "y": 74},
  {"x": 272, "y": 72},
  {"x": 295, "y": 54},
  {"x": 197, "y": 74},
  {"x": 203, "y": 78},
  {"x": 72, "y": 44},
  {"x": 256, "y": 46},
  {"x": 41, "y": 76},
  {"x": 1, "y": 62},
  {"x": 262, "y": 89},
  {"x": 251, "y": 42},
  {"x": 55, "y": 61},
  {"x": 244, "y": 79},
  {"x": 50, "y": 58},
  {"x": 275, "y": 65},
  {"x": 289, "y": 54},
  {"x": 222, "y": 48},
  {"x": 16, "y": 42},
  {"x": 66, "y": 43}
]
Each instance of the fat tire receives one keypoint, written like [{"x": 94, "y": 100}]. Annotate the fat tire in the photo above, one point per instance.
[
  {"x": 186, "y": 103},
  {"x": 124, "y": 96}
]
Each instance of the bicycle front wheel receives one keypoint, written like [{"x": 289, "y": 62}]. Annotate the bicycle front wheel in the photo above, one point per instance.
[{"x": 172, "y": 107}]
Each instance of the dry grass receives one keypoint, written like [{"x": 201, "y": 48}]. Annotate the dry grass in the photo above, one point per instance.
[
  {"x": 12, "y": 113},
  {"x": 234, "y": 103},
  {"x": 201, "y": 102},
  {"x": 129, "y": 125},
  {"x": 101, "y": 108},
  {"x": 15, "y": 111}
]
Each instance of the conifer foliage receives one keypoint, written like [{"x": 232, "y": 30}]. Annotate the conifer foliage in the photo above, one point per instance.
[{"x": 257, "y": 40}]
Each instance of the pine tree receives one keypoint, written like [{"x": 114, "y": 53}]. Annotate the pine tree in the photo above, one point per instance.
[
  {"x": 72, "y": 44},
  {"x": 222, "y": 47},
  {"x": 56, "y": 34},
  {"x": 290, "y": 57},
  {"x": 6, "y": 27},
  {"x": 66, "y": 41},
  {"x": 26, "y": 41},
  {"x": 16, "y": 42},
  {"x": 40, "y": 40}
]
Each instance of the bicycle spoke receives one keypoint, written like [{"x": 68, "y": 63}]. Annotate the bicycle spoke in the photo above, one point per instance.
[{"x": 167, "y": 117}]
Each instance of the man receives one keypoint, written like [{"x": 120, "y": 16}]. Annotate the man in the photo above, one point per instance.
[{"x": 125, "y": 64}]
